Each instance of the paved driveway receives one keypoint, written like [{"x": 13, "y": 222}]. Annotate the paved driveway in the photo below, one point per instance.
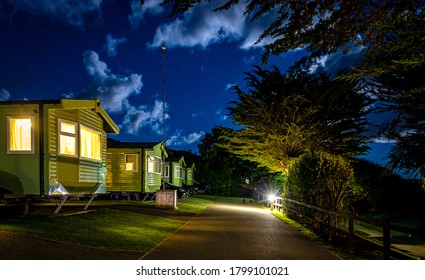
[{"x": 237, "y": 231}]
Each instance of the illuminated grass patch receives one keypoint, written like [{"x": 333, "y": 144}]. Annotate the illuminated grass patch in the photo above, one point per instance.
[
  {"x": 102, "y": 228},
  {"x": 190, "y": 208},
  {"x": 207, "y": 199}
]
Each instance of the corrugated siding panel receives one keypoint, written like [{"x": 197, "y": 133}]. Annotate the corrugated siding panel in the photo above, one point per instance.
[
  {"x": 150, "y": 177},
  {"x": 92, "y": 171},
  {"x": 52, "y": 146},
  {"x": 117, "y": 178},
  {"x": 53, "y": 141},
  {"x": 70, "y": 115},
  {"x": 91, "y": 119},
  {"x": 104, "y": 170}
]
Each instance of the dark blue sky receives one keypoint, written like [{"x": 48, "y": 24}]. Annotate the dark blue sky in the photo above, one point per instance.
[{"x": 112, "y": 50}]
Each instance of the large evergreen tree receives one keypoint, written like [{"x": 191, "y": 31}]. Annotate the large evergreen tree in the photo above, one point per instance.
[
  {"x": 284, "y": 116},
  {"x": 227, "y": 174}
]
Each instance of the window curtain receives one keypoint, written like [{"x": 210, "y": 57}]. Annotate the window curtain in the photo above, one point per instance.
[
  {"x": 20, "y": 134},
  {"x": 90, "y": 143}
]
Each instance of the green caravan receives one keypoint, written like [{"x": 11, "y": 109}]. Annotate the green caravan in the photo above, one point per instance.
[
  {"x": 174, "y": 171},
  {"x": 53, "y": 147},
  {"x": 189, "y": 174},
  {"x": 134, "y": 167}
]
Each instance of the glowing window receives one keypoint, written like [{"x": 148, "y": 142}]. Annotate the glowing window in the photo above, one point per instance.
[
  {"x": 20, "y": 135},
  {"x": 90, "y": 143},
  {"x": 131, "y": 162},
  {"x": 154, "y": 164},
  {"x": 67, "y": 138}
]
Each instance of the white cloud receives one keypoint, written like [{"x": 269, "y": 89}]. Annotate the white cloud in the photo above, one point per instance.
[
  {"x": 338, "y": 60},
  {"x": 72, "y": 12},
  {"x": 145, "y": 116},
  {"x": 113, "y": 90},
  {"x": 94, "y": 66},
  {"x": 179, "y": 140},
  {"x": 138, "y": 12},
  {"x": 229, "y": 86},
  {"x": 383, "y": 140},
  {"x": 221, "y": 115},
  {"x": 202, "y": 27},
  {"x": 320, "y": 63},
  {"x": 4, "y": 94},
  {"x": 112, "y": 44}
]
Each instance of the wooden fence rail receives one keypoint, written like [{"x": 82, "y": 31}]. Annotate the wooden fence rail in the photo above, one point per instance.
[{"x": 386, "y": 248}]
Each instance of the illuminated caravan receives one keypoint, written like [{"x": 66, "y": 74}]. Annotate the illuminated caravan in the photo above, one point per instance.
[
  {"x": 53, "y": 147},
  {"x": 134, "y": 167},
  {"x": 174, "y": 171},
  {"x": 189, "y": 175}
]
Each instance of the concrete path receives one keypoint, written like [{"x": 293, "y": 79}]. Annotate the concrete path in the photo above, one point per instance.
[{"x": 237, "y": 231}]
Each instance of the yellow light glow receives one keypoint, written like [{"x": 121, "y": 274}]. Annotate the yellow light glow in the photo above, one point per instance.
[
  {"x": 67, "y": 145},
  {"x": 131, "y": 162},
  {"x": 67, "y": 127},
  {"x": 245, "y": 208},
  {"x": 90, "y": 143},
  {"x": 129, "y": 166},
  {"x": 20, "y": 136}
]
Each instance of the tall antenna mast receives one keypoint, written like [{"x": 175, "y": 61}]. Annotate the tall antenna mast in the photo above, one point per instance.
[{"x": 164, "y": 49}]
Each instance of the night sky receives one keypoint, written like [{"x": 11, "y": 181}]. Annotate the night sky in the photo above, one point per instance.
[{"x": 112, "y": 50}]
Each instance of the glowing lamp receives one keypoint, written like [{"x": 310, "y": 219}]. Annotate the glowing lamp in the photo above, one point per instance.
[{"x": 271, "y": 197}]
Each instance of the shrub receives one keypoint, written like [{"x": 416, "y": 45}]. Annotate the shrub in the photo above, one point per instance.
[{"x": 320, "y": 179}]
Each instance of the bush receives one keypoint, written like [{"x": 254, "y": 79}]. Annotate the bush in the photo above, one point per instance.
[{"x": 322, "y": 180}]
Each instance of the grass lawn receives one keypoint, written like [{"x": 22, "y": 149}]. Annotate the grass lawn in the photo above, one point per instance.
[
  {"x": 104, "y": 227},
  {"x": 101, "y": 228},
  {"x": 205, "y": 199}
]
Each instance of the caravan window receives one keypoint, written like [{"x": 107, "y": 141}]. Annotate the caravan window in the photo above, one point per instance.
[
  {"x": 131, "y": 162},
  {"x": 20, "y": 135},
  {"x": 178, "y": 172},
  {"x": 154, "y": 164},
  {"x": 90, "y": 143},
  {"x": 67, "y": 138}
]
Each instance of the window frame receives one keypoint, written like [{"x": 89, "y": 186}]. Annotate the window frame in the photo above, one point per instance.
[
  {"x": 137, "y": 163},
  {"x": 68, "y": 134},
  {"x": 82, "y": 126},
  {"x": 32, "y": 136},
  {"x": 178, "y": 171},
  {"x": 157, "y": 167}
]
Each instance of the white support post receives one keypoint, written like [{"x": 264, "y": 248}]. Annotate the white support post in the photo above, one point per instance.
[
  {"x": 64, "y": 198},
  {"x": 90, "y": 201}
]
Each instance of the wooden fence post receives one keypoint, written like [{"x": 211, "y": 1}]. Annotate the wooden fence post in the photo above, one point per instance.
[
  {"x": 386, "y": 240},
  {"x": 330, "y": 217},
  {"x": 351, "y": 240}
]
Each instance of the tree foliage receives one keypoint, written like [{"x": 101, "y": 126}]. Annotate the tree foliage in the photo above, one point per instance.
[
  {"x": 225, "y": 173},
  {"x": 396, "y": 69},
  {"x": 284, "y": 116},
  {"x": 322, "y": 27}
]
